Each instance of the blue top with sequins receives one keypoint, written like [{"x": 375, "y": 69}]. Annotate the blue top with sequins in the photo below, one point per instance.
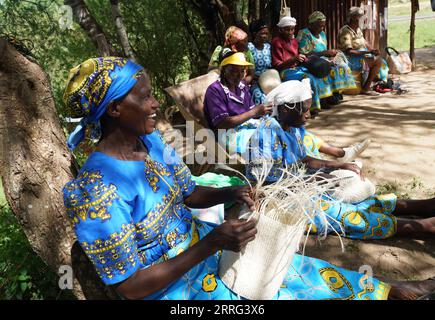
[{"x": 128, "y": 215}]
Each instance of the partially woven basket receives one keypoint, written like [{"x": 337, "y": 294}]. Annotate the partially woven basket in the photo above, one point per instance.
[
  {"x": 351, "y": 188},
  {"x": 259, "y": 270},
  {"x": 283, "y": 210}
]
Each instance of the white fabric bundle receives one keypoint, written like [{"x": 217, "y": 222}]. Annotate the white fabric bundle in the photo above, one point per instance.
[
  {"x": 351, "y": 188},
  {"x": 292, "y": 91},
  {"x": 213, "y": 214},
  {"x": 283, "y": 210}
]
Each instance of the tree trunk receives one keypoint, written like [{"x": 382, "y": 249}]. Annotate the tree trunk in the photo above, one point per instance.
[
  {"x": 35, "y": 164},
  {"x": 121, "y": 30},
  {"x": 91, "y": 27},
  {"x": 233, "y": 17},
  {"x": 414, "y": 9}
]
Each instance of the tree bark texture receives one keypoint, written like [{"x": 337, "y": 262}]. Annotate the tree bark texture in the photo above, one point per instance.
[
  {"x": 121, "y": 30},
  {"x": 35, "y": 164},
  {"x": 91, "y": 27}
]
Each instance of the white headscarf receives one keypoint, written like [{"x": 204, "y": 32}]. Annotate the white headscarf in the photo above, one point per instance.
[
  {"x": 292, "y": 91},
  {"x": 286, "y": 22}
]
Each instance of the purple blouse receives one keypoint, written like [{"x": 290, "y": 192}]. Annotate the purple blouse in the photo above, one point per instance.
[{"x": 220, "y": 102}]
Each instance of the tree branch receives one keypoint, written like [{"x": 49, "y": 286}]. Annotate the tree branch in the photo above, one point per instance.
[
  {"x": 121, "y": 30},
  {"x": 91, "y": 27}
]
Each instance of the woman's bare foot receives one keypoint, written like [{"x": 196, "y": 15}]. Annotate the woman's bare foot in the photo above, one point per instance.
[{"x": 411, "y": 290}]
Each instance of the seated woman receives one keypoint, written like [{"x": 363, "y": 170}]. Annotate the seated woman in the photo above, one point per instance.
[
  {"x": 228, "y": 104},
  {"x": 312, "y": 41},
  {"x": 287, "y": 59},
  {"x": 261, "y": 51},
  {"x": 237, "y": 40},
  {"x": 129, "y": 205},
  {"x": 360, "y": 54},
  {"x": 373, "y": 218}
]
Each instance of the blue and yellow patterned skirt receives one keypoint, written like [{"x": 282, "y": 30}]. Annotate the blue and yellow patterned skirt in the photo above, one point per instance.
[
  {"x": 340, "y": 78},
  {"x": 357, "y": 64},
  {"x": 368, "y": 220},
  {"x": 307, "y": 279}
]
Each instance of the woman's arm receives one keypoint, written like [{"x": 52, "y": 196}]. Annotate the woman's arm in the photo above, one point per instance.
[
  {"x": 231, "y": 235},
  {"x": 205, "y": 197},
  {"x": 290, "y": 62},
  {"x": 231, "y": 122},
  {"x": 351, "y": 51},
  {"x": 317, "y": 164}
]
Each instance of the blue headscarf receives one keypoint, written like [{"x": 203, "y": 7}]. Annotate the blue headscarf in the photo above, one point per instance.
[{"x": 92, "y": 86}]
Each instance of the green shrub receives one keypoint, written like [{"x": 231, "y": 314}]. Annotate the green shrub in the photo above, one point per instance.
[{"x": 23, "y": 275}]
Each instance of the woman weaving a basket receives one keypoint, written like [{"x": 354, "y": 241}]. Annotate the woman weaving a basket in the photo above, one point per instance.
[
  {"x": 129, "y": 205},
  {"x": 374, "y": 217},
  {"x": 228, "y": 104},
  {"x": 312, "y": 41}
]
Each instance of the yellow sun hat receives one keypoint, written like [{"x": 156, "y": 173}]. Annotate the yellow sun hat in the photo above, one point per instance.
[{"x": 237, "y": 59}]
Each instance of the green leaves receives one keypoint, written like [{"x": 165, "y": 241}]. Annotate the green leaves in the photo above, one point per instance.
[{"x": 23, "y": 275}]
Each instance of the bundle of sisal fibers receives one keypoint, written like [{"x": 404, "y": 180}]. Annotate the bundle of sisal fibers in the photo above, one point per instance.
[{"x": 283, "y": 210}]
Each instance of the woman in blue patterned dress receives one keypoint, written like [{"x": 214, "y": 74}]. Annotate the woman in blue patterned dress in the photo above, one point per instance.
[
  {"x": 130, "y": 204},
  {"x": 261, "y": 51},
  {"x": 374, "y": 218},
  {"x": 312, "y": 41}
]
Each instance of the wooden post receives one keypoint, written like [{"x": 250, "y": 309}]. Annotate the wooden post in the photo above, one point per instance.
[{"x": 414, "y": 9}]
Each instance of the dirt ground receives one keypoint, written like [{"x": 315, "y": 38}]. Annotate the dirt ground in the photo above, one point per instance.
[{"x": 401, "y": 159}]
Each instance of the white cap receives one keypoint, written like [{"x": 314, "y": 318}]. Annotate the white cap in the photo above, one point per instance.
[
  {"x": 292, "y": 91},
  {"x": 286, "y": 22}
]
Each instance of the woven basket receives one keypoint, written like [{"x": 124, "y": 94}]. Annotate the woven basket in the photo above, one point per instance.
[
  {"x": 352, "y": 189},
  {"x": 258, "y": 271}
]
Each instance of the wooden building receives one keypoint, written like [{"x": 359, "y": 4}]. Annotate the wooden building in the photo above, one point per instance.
[{"x": 336, "y": 12}]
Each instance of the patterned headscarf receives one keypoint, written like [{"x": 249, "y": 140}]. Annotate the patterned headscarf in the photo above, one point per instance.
[
  {"x": 92, "y": 86},
  {"x": 316, "y": 16},
  {"x": 233, "y": 35}
]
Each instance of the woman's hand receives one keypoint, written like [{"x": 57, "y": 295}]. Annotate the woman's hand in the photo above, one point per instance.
[
  {"x": 375, "y": 52},
  {"x": 330, "y": 53},
  {"x": 301, "y": 58},
  {"x": 352, "y": 167},
  {"x": 232, "y": 235},
  {"x": 261, "y": 110},
  {"x": 243, "y": 195}
]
